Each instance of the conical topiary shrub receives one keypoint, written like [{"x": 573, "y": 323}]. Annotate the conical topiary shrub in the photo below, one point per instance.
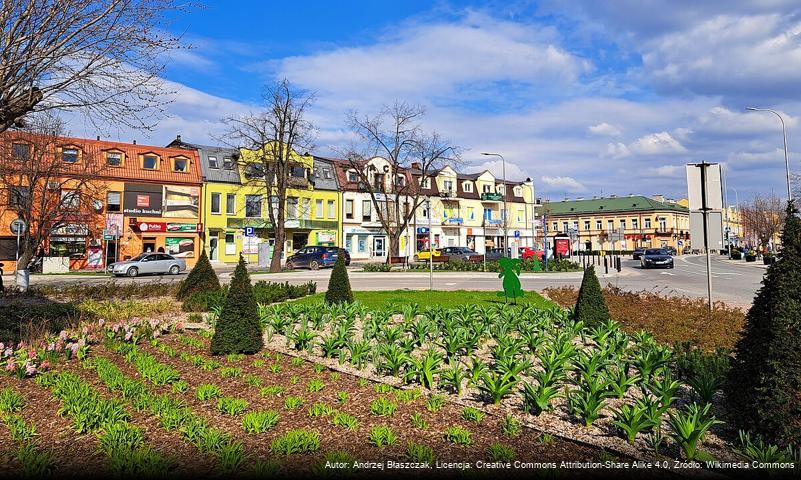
[
  {"x": 590, "y": 305},
  {"x": 201, "y": 278},
  {"x": 764, "y": 384},
  {"x": 339, "y": 284},
  {"x": 238, "y": 328}
]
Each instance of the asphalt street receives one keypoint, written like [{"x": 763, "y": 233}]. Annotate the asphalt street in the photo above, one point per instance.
[{"x": 732, "y": 282}]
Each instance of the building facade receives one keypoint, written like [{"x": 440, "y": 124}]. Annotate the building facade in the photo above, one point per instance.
[{"x": 642, "y": 221}]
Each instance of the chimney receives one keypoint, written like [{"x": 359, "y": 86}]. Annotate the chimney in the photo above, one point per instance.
[
  {"x": 659, "y": 198},
  {"x": 98, "y": 138},
  {"x": 178, "y": 139},
  {"x": 134, "y": 142},
  {"x": 417, "y": 165}
]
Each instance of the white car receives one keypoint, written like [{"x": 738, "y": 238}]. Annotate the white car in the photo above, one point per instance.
[{"x": 159, "y": 263}]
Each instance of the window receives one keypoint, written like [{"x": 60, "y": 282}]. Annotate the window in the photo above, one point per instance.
[
  {"x": 467, "y": 187},
  {"x": 349, "y": 209},
  {"x": 114, "y": 159},
  {"x": 20, "y": 151},
  {"x": 634, "y": 223},
  {"x": 486, "y": 189},
  {"x": 318, "y": 208},
  {"x": 647, "y": 223},
  {"x": 150, "y": 162},
  {"x": 400, "y": 180},
  {"x": 332, "y": 209},
  {"x": 564, "y": 226},
  {"x": 327, "y": 173},
  {"x": 228, "y": 163},
  {"x": 518, "y": 192},
  {"x": 622, "y": 223},
  {"x": 180, "y": 164},
  {"x": 69, "y": 155},
  {"x": 213, "y": 162},
  {"x": 215, "y": 203},
  {"x": 487, "y": 214},
  {"x": 448, "y": 186},
  {"x": 113, "y": 203},
  {"x": 575, "y": 226},
  {"x": 230, "y": 244},
  {"x": 555, "y": 227},
  {"x": 426, "y": 184},
  {"x": 230, "y": 204},
  {"x": 70, "y": 199},
  {"x": 367, "y": 212},
  {"x": 379, "y": 182},
  {"x": 253, "y": 206},
  {"x": 500, "y": 189},
  {"x": 471, "y": 213},
  {"x": 353, "y": 177},
  {"x": 292, "y": 208},
  {"x": 662, "y": 224},
  {"x": 610, "y": 225},
  {"x": 586, "y": 224},
  {"x": 598, "y": 225},
  {"x": 18, "y": 197},
  {"x": 297, "y": 171}
]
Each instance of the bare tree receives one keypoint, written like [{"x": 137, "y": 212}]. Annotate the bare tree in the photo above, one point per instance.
[
  {"x": 396, "y": 135},
  {"x": 103, "y": 57},
  {"x": 45, "y": 183},
  {"x": 762, "y": 218},
  {"x": 271, "y": 138},
  {"x": 795, "y": 180}
]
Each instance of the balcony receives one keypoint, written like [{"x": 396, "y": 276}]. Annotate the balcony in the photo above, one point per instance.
[
  {"x": 447, "y": 194},
  {"x": 491, "y": 197},
  {"x": 492, "y": 222},
  {"x": 453, "y": 221}
]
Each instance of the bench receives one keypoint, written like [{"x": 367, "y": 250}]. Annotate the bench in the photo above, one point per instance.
[
  {"x": 476, "y": 258},
  {"x": 399, "y": 261},
  {"x": 440, "y": 258}
]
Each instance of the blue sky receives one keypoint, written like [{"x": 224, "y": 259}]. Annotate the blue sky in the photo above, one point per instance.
[{"x": 584, "y": 97}]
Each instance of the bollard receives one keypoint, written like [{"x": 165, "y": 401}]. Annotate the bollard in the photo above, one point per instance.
[{"x": 606, "y": 267}]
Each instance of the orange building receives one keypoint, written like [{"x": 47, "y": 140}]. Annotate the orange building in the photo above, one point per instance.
[{"x": 146, "y": 198}]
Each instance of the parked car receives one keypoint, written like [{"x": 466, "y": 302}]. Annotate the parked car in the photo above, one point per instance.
[
  {"x": 426, "y": 254},
  {"x": 656, "y": 257},
  {"x": 316, "y": 256},
  {"x": 528, "y": 253},
  {"x": 637, "y": 253},
  {"x": 460, "y": 253},
  {"x": 672, "y": 251},
  {"x": 148, "y": 263},
  {"x": 495, "y": 254}
]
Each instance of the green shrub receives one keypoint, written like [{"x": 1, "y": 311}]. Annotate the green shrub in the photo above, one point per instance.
[
  {"x": 764, "y": 384},
  {"x": 296, "y": 441},
  {"x": 420, "y": 453},
  {"x": 260, "y": 421},
  {"x": 382, "y": 436},
  {"x": 458, "y": 436},
  {"x": 238, "y": 328},
  {"x": 232, "y": 405},
  {"x": 201, "y": 278},
  {"x": 590, "y": 306},
  {"x": 339, "y": 285},
  {"x": 205, "y": 301},
  {"x": 498, "y": 452},
  {"x": 377, "y": 267}
]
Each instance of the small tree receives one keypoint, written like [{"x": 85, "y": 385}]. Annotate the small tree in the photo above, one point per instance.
[
  {"x": 590, "y": 306},
  {"x": 764, "y": 384},
  {"x": 339, "y": 284},
  {"x": 238, "y": 328},
  {"x": 202, "y": 278}
]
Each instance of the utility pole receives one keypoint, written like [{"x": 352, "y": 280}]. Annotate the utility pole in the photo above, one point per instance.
[{"x": 430, "y": 248}]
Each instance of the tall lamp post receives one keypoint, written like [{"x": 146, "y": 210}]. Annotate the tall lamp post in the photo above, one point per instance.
[
  {"x": 784, "y": 133},
  {"x": 505, "y": 211}
]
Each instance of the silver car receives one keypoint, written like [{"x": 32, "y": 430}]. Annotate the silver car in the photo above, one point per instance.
[{"x": 145, "y": 263}]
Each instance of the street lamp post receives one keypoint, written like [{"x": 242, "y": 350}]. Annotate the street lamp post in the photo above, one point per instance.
[
  {"x": 784, "y": 134},
  {"x": 505, "y": 210},
  {"x": 430, "y": 248}
]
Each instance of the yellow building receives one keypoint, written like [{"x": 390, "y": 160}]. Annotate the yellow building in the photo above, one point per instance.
[
  {"x": 235, "y": 209},
  {"x": 644, "y": 222}
]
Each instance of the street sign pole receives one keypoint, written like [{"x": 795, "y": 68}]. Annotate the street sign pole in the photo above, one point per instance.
[{"x": 431, "y": 249}]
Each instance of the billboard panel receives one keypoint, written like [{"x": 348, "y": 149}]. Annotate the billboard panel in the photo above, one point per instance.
[
  {"x": 714, "y": 230},
  {"x": 714, "y": 192}
]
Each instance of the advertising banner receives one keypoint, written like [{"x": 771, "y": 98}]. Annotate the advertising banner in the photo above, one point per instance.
[
  {"x": 114, "y": 224},
  {"x": 180, "y": 246},
  {"x": 181, "y": 201},
  {"x": 142, "y": 200}
]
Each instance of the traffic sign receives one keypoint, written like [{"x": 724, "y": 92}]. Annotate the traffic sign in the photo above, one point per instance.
[
  {"x": 249, "y": 231},
  {"x": 17, "y": 226},
  {"x": 517, "y": 233}
]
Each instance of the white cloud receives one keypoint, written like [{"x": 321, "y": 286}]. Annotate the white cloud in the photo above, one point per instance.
[
  {"x": 617, "y": 150},
  {"x": 661, "y": 143},
  {"x": 604, "y": 129},
  {"x": 569, "y": 184},
  {"x": 513, "y": 171}
]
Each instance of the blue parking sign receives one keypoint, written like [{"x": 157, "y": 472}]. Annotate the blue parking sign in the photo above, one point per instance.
[{"x": 250, "y": 231}]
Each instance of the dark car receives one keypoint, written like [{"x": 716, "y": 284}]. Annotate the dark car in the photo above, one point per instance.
[
  {"x": 656, "y": 258},
  {"x": 458, "y": 253},
  {"x": 495, "y": 254},
  {"x": 314, "y": 257},
  {"x": 637, "y": 253}
]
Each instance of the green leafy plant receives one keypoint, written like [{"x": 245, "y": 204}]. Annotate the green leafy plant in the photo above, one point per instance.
[
  {"x": 382, "y": 436},
  {"x": 453, "y": 376},
  {"x": 498, "y": 452},
  {"x": 11, "y": 401},
  {"x": 472, "y": 414},
  {"x": 408, "y": 395},
  {"x": 292, "y": 402},
  {"x": 232, "y": 405},
  {"x": 497, "y": 385},
  {"x": 382, "y": 407},
  {"x": 207, "y": 391},
  {"x": 419, "y": 421},
  {"x": 424, "y": 369},
  {"x": 434, "y": 403},
  {"x": 537, "y": 399},
  {"x": 346, "y": 421},
  {"x": 420, "y": 453},
  {"x": 181, "y": 386},
  {"x": 587, "y": 404},
  {"x": 631, "y": 420},
  {"x": 510, "y": 426},
  {"x": 271, "y": 391},
  {"x": 315, "y": 385},
  {"x": 296, "y": 441},
  {"x": 230, "y": 372},
  {"x": 252, "y": 380},
  {"x": 260, "y": 421},
  {"x": 705, "y": 385},
  {"x": 458, "y": 436},
  {"x": 342, "y": 397},
  {"x": 321, "y": 409},
  {"x": 689, "y": 427}
]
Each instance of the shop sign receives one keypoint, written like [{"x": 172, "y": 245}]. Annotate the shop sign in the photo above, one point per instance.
[
  {"x": 151, "y": 227},
  {"x": 455, "y": 220},
  {"x": 142, "y": 200},
  {"x": 182, "y": 227},
  {"x": 75, "y": 229},
  {"x": 181, "y": 247},
  {"x": 326, "y": 237},
  {"x": 422, "y": 230}
]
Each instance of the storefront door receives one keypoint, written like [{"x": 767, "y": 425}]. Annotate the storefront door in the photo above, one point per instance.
[
  {"x": 149, "y": 245},
  {"x": 214, "y": 245},
  {"x": 379, "y": 246}
]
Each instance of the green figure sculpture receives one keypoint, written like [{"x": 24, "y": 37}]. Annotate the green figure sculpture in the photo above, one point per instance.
[{"x": 510, "y": 269}]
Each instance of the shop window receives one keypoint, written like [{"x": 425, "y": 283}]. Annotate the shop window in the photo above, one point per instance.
[
  {"x": 69, "y": 155},
  {"x": 213, "y": 162},
  {"x": 349, "y": 209},
  {"x": 332, "y": 209},
  {"x": 114, "y": 202},
  {"x": 150, "y": 162},
  {"x": 230, "y": 204},
  {"x": 180, "y": 165},
  {"x": 215, "y": 203},
  {"x": 230, "y": 244},
  {"x": 114, "y": 159}
]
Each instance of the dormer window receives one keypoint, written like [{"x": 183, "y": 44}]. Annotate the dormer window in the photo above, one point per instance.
[
  {"x": 228, "y": 163},
  {"x": 213, "y": 162},
  {"x": 467, "y": 187},
  {"x": 426, "y": 184},
  {"x": 327, "y": 173},
  {"x": 180, "y": 164},
  {"x": 353, "y": 177},
  {"x": 150, "y": 161},
  {"x": 114, "y": 159},
  {"x": 518, "y": 192},
  {"x": 500, "y": 188},
  {"x": 487, "y": 189},
  {"x": 448, "y": 185},
  {"x": 70, "y": 155}
]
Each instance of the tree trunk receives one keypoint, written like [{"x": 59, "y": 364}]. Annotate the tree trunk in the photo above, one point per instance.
[
  {"x": 280, "y": 240},
  {"x": 394, "y": 245}
]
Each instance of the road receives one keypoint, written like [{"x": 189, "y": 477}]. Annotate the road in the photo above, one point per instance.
[{"x": 732, "y": 282}]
